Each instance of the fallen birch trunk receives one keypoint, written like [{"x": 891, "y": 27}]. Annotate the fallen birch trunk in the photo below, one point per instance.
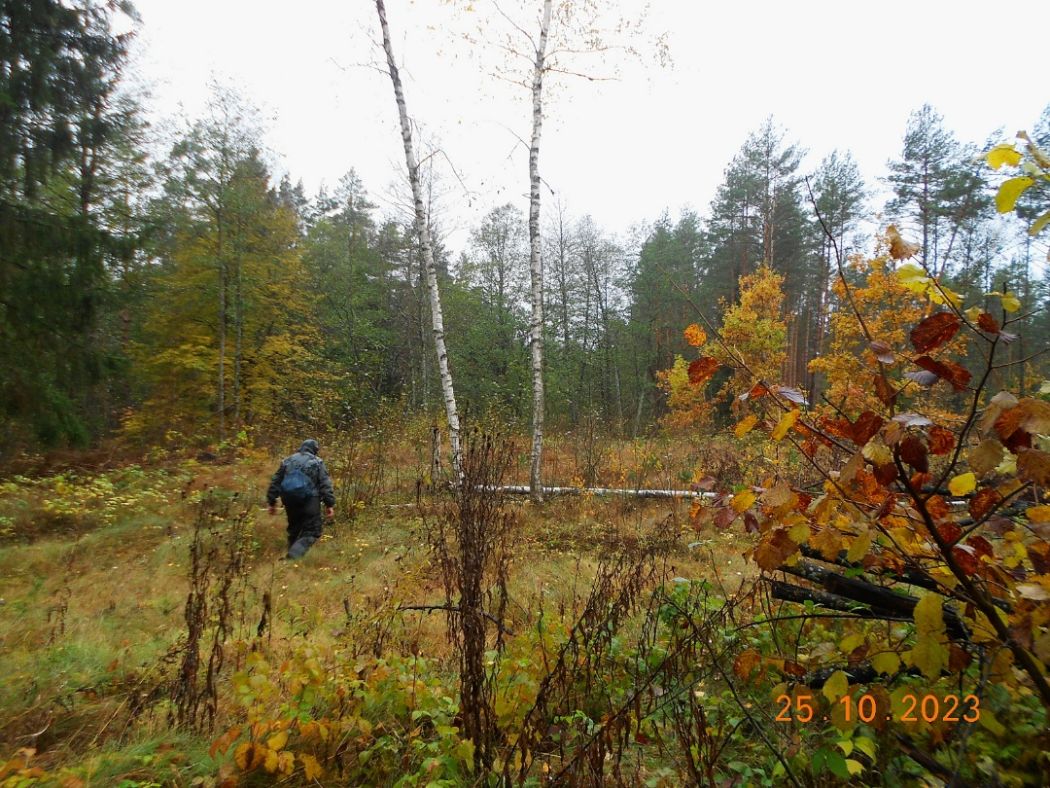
[{"x": 627, "y": 492}]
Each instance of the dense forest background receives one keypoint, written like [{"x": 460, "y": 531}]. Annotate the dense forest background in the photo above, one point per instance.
[
  {"x": 796, "y": 450},
  {"x": 193, "y": 295}
]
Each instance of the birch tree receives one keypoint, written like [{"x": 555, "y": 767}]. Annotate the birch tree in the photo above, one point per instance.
[
  {"x": 423, "y": 231},
  {"x": 535, "y": 260},
  {"x": 565, "y": 40}
]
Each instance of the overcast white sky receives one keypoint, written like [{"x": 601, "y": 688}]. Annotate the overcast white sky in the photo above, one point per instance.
[{"x": 835, "y": 74}]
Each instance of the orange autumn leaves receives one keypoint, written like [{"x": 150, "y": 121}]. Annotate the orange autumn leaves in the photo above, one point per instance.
[
  {"x": 695, "y": 335},
  {"x": 934, "y": 491},
  {"x": 702, "y": 369}
]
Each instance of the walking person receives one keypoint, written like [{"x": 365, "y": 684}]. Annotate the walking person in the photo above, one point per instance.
[{"x": 303, "y": 484}]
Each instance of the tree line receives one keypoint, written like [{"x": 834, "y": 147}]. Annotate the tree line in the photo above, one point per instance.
[{"x": 195, "y": 293}]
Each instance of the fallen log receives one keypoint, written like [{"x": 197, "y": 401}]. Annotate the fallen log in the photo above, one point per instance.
[
  {"x": 911, "y": 575},
  {"x": 915, "y": 577},
  {"x": 627, "y": 492},
  {"x": 861, "y": 673},
  {"x": 793, "y": 593},
  {"x": 869, "y": 594}
]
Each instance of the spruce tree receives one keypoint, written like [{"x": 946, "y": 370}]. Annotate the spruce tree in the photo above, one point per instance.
[{"x": 65, "y": 137}]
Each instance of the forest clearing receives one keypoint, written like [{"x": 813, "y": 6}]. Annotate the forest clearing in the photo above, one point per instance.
[
  {"x": 473, "y": 479},
  {"x": 86, "y": 655}
]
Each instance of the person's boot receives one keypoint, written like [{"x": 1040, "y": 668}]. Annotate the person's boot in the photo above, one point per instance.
[{"x": 300, "y": 546}]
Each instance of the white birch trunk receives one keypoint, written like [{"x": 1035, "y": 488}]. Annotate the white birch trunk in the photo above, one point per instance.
[
  {"x": 535, "y": 261},
  {"x": 628, "y": 492},
  {"x": 423, "y": 230},
  {"x": 222, "y": 332}
]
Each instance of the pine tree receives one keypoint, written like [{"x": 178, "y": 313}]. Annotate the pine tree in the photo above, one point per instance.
[
  {"x": 664, "y": 282},
  {"x": 838, "y": 194},
  {"x": 938, "y": 188},
  {"x": 758, "y": 218}
]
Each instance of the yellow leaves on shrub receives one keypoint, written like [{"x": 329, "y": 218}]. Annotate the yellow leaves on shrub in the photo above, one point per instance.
[
  {"x": 800, "y": 532},
  {"x": 929, "y": 654},
  {"x": 779, "y": 499},
  {"x": 886, "y": 662},
  {"x": 1004, "y": 153},
  {"x": 962, "y": 484},
  {"x": 829, "y": 541},
  {"x": 787, "y": 421},
  {"x": 866, "y": 746},
  {"x": 222, "y": 744},
  {"x": 986, "y": 456},
  {"x": 988, "y": 721},
  {"x": 1010, "y": 191},
  {"x": 1039, "y": 224},
  {"x": 277, "y": 741},
  {"x": 695, "y": 335},
  {"x": 311, "y": 767},
  {"x": 249, "y": 756},
  {"x": 914, "y": 279},
  {"x": 1009, "y": 301},
  {"x": 755, "y": 329},
  {"x": 687, "y": 405},
  {"x": 909, "y": 274},
  {"x": 860, "y": 547},
  {"x": 465, "y": 752},
  {"x": 745, "y": 426},
  {"x": 313, "y": 730},
  {"x": 285, "y": 763},
  {"x": 851, "y": 643},
  {"x": 272, "y": 761},
  {"x": 742, "y": 501},
  {"x": 877, "y": 451},
  {"x": 1038, "y": 514},
  {"x": 836, "y": 687}
]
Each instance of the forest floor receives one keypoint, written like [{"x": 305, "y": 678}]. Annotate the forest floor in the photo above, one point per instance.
[{"x": 95, "y": 571}]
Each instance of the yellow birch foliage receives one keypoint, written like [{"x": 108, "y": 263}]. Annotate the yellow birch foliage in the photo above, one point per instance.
[
  {"x": 280, "y": 374},
  {"x": 753, "y": 344},
  {"x": 688, "y": 406},
  {"x": 755, "y": 331}
]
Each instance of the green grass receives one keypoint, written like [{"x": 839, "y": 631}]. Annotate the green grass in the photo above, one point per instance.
[
  {"x": 124, "y": 583},
  {"x": 164, "y": 758}
]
